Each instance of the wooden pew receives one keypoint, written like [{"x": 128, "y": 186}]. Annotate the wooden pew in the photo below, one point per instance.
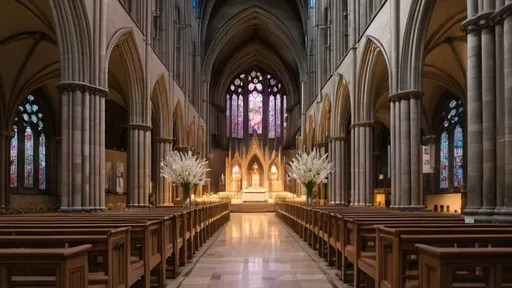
[
  {"x": 438, "y": 266},
  {"x": 69, "y": 264},
  {"x": 396, "y": 255}
]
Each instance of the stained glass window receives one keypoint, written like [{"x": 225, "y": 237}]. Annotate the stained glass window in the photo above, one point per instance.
[
  {"x": 458, "y": 168},
  {"x": 228, "y": 115},
  {"x": 278, "y": 115},
  {"x": 234, "y": 116},
  {"x": 27, "y": 125},
  {"x": 255, "y": 112},
  {"x": 444, "y": 160},
  {"x": 13, "y": 172},
  {"x": 240, "y": 120},
  {"x": 272, "y": 117},
  {"x": 42, "y": 162},
  {"x": 29, "y": 158}
]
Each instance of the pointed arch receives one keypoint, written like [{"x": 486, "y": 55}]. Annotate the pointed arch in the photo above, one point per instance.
[
  {"x": 178, "y": 125},
  {"x": 341, "y": 108},
  {"x": 124, "y": 40},
  {"x": 369, "y": 79},
  {"x": 324, "y": 126},
  {"x": 160, "y": 107}
]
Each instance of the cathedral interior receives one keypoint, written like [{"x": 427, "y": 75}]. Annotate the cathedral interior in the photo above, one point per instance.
[{"x": 409, "y": 100}]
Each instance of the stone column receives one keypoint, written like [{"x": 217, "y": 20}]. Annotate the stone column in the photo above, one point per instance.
[
  {"x": 356, "y": 151},
  {"x": 488, "y": 112},
  {"x": 330, "y": 178},
  {"x": 339, "y": 173},
  {"x": 405, "y": 144},
  {"x": 505, "y": 14},
  {"x": 82, "y": 182},
  {"x": 352, "y": 167},
  {"x": 5, "y": 163},
  {"x": 363, "y": 163},
  {"x": 139, "y": 159},
  {"x": 162, "y": 193}
]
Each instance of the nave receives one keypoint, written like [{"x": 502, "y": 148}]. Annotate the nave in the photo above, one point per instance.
[{"x": 257, "y": 250}]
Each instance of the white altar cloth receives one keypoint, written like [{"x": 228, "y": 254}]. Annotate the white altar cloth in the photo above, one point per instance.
[{"x": 254, "y": 194}]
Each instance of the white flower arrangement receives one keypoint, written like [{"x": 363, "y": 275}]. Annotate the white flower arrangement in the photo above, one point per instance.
[
  {"x": 309, "y": 170},
  {"x": 312, "y": 168},
  {"x": 184, "y": 168}
]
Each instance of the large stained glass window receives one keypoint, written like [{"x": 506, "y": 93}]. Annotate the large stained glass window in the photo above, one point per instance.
[
  {"x": 444, "y": 160},
  {"x": 29, "y": 158},
  {"x": 13, "y": 172},
  {"x": 251, "y": 98},
  {"x": 452, "y": 146},
  {"x": 42, "y": 162},
  {"x": 458, "y": 146},
  {"x": 29, "y": 138}
]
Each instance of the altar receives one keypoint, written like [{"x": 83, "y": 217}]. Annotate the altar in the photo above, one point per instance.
[{"x": 254, "y": 194}]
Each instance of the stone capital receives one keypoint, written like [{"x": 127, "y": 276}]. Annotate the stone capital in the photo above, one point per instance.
[
  {"x": 430, "y": 139},
  {"x": 139, "y": 126},
  {"x": 406, "y": 95},
  {"x": 81, "y": 86},
  {"x": 165, "y": 140},
  {"x": 363, "y": 124},
  {"x": 339, "y": 138},
  {"x": 477, "y": 23},
  {"x": 502, "y": 14}
]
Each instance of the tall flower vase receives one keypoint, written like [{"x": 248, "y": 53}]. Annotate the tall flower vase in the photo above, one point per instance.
[
  {"x": 309, "y": 193},
  {"x": 187, "y": 188}
]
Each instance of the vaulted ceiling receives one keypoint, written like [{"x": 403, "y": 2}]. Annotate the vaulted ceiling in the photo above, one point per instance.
[{"x": 258, "y": 29}]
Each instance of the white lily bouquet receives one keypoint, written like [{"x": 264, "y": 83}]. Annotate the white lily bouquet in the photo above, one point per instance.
[
  {"x": 309, "y": 170},
  {"x": 185, "y": 170}
]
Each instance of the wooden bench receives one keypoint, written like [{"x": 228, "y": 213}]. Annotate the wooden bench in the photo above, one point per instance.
[
  {"x": 69, "y": 265},
  {"x": 438, "y": 266}
]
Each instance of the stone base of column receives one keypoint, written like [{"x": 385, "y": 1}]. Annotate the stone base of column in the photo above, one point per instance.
[
  {"x": 138, "y": 206},
  {"x": 82, "y": 209},
  {"x": 471, "y": 210},
  {"x": 504, "y": 215},
  {"x": 487, "y": 211},
  {"x": 410, "y": 208},
  {"x": 165, "y": 205}
]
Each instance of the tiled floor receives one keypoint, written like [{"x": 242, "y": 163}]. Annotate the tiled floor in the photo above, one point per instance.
[{"x": 256, "y": 250}]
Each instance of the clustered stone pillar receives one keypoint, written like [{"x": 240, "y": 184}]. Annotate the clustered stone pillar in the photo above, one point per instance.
[
  {"x": 5, "y": 140},
  {"x": 331, "y": 177},
  {"x": 489, "y": 106},
  {"x": 405, "y": 150},
  {"x": 340, "y": 174},
  {"x": 164, "y": 187},
  {"x": 139, "y": 161},
  {"x": 362, "y": 163},
  {"x": 83, "y": 147}
]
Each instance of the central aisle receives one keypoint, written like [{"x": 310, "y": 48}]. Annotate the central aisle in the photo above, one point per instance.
[{"x": 256, "y": 250}]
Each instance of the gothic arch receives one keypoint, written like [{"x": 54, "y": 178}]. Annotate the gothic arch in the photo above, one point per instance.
[
  {"x": 178, "y": 125},
  {"x": 160, "y": 108},
  {"x": 324, "y": 125},
  {"x": 341, "y": 108},
  {"x": 368, "y": 80},
  {"x": 124, "y": 40}
]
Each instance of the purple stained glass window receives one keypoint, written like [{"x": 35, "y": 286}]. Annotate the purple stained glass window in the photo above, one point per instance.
[
  {"x": 240, "y": 120},
  {"x": 228, "y": 116},
  {"x": 13, "y": 171},
  {"x": 444, "y": 161},
  {"x": 458, "y": 147},
  {"x": 42, "y": 162},
  {"x": 272, "y": 117},
  {"x": 278, "y": 113},
  {"x": 255, "y": 112},
  {"x": 234, "y": 116},
  {"x": 29, "y": 158}
]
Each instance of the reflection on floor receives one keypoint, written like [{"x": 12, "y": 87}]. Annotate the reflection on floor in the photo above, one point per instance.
[{"x": 255, "y": 250}]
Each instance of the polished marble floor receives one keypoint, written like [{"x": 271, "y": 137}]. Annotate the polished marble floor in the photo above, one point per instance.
[{"x": 256, "y": 250}]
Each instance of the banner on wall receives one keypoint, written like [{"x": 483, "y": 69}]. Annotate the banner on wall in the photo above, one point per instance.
[
  {"x": 427, "y": 160},
  {"x": 120, "y": 177},
  {"x": 108, "y": 177}
]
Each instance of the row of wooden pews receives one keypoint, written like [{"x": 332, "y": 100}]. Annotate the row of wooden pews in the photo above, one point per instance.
[
  {"x": 139, "y": 247},
  {"x": 377, "y": 247}
]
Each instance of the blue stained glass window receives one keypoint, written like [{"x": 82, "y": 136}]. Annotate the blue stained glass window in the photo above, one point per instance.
[
  {"x": 13, "y": 171},
  {"x": 42, "y": 162},
  {"x": 444, "y": 160},
  {"x": 29, "y": 158},
  {"x": 278, "y": 113},
  {"x": 234, "y": 116},
  {"x": 272, "y": 117},
  {"x": 311, "y": 3},
  {"x": 458, "y": 147}
]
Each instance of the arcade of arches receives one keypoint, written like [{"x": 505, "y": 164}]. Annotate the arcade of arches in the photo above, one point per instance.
[{"x": 412, "y": 100}]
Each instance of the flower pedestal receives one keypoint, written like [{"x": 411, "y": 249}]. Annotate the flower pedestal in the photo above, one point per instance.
[{"x": 309, "y": 193}]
